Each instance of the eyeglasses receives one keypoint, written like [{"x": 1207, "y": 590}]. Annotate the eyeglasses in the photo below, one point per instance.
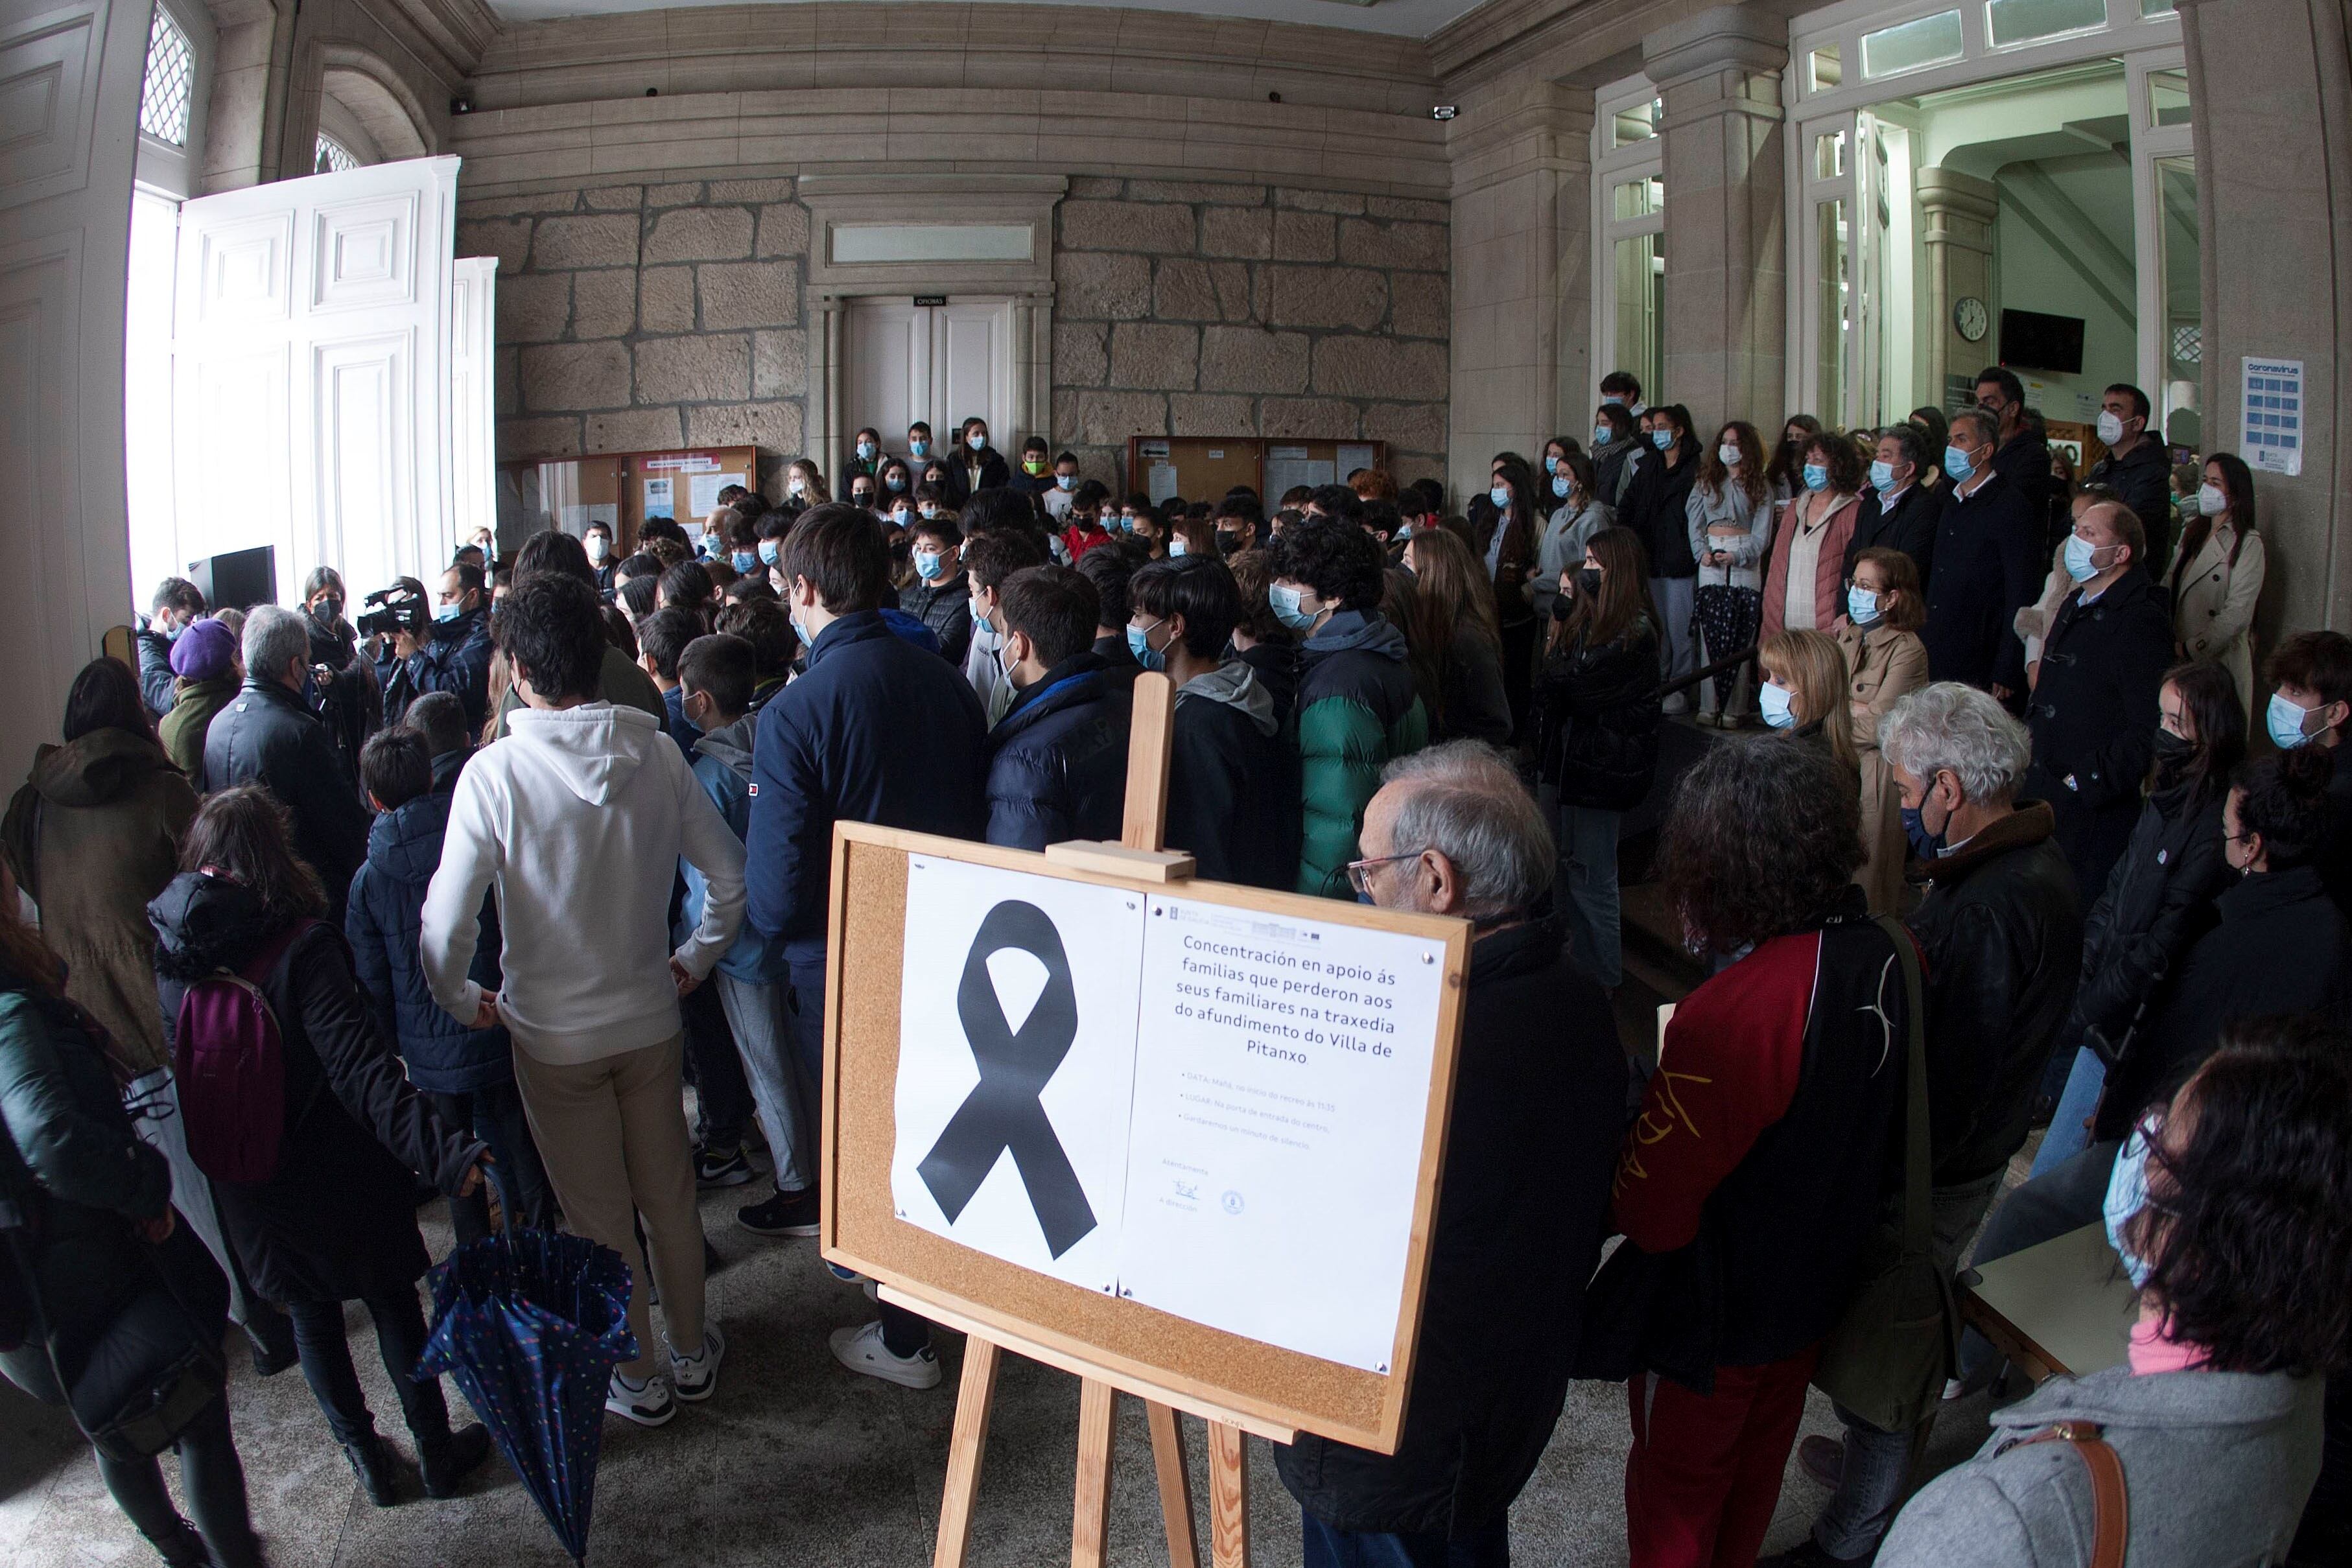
[{"x": 1360, "y": 872}]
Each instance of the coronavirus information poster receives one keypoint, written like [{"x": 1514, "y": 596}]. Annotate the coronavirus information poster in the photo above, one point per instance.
[
  {"x": 2274, "y": 414},
  {"x": 1213, "y": 1110}
]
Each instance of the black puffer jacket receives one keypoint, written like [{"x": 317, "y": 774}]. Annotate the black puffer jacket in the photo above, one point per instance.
[
  {"x": 1538, "y": 1106},
  {"x": 2159, "y": 897},
  {"x": 266, "y": 737},
  {"x": 1601, "y": 716},
  {"x": 2002, "y": 934},
  {"x": 339, "y": 1219}
]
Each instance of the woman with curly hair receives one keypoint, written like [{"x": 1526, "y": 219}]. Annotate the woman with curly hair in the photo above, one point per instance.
[
  {"x": 2232, "y": 1210},
  {"x": 1753, "y": 1177}
]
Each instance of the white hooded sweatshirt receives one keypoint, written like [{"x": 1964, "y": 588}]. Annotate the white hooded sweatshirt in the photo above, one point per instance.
[{"x": 578, "y": 819}]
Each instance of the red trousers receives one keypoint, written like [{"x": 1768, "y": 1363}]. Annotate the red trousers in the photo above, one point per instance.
[{"x": 1705, "y": 1473}]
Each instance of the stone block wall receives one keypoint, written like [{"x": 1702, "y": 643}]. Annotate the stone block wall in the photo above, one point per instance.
[
  {"x": 632, "y": 317},
  {"x": 1213, "y": 309},
  {"x": 638, "y": 316}
]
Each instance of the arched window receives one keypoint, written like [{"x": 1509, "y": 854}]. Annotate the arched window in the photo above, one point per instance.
[
  {"x": 335, "y": 158},
  {"x": 167, "y": 103}
]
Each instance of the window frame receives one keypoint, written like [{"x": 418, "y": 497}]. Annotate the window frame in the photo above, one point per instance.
[
  {"x": 1613, "y": 166},
  {"x": 161, "y": 168}
]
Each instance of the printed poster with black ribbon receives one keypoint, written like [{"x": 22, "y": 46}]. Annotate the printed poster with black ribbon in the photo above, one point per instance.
[
  {"x": 1016, "y": 1065},
  {"x": 1213, "y": 1110}
]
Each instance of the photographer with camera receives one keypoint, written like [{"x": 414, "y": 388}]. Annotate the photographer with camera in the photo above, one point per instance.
[
  {"x": 452, "y": 653},
  {"x": 392, "y": 621}
]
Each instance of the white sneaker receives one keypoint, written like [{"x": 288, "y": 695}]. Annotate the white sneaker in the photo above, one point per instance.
[
  {"x": 648, "y": 1404},
  {"x": 697, "y": 1376},
  {"x": 862, "y": 1350}
]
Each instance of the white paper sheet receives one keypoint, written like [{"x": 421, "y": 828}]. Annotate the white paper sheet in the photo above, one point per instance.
[
  {"x": 1087, "y": 1097},
  {"x": 1349, "y": 458},
  {"x": 658, "y": 498},
  {"x": 1281, "y": 1090},
  {"x": 1160, "y": 483},
  {"x": 703, "y": 491},
  {"x": 1282, "y": 473}
]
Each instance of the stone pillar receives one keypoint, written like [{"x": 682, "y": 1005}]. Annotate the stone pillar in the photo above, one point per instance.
[
  {"x": 1522, "y": 165},
  {"x": 1727, "y": 253},
  {"x": 2272, "y": 84},
  {"x": 1956, "y": 225}
]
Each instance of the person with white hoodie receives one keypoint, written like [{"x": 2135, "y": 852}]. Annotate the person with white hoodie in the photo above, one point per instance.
[{"x": 580, "y": 818}]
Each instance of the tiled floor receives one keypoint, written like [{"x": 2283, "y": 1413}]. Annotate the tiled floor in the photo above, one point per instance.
[{"x": 793, "y": 1462}]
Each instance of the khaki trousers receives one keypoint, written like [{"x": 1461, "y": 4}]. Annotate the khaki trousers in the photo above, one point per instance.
[{"x": 613, "y": 1134}]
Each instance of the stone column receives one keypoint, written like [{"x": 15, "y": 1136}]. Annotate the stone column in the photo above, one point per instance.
[
  {"x": 2272, "y": 84},
  {"x": 1522, "y": 168},
  {"x": 1727, "y": 253},
  {"x": 1957, "y": 210}
]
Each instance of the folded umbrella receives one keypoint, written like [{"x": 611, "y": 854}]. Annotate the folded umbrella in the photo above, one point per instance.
[{"x": 531, "y": 1324}]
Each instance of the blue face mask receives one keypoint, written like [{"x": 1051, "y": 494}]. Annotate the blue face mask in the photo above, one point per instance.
[
  {"x": 171, "y": 630},
  {"x": 866, "y": 451},
  {"x": 1923, "y": 844},
  {"x": 1860, "y": 606},
  {"x": 445, "y": 612},
  {"x": 902, "y": 519},
  {"x": 746, "y": 561},
  {"x": 978, "y": 442},
  {"x": 1602, "y": 435},
  {"x": 1774, "y": 701},
  {"x": 984, "y": 635},
  {"x": 1957, "y": 465},
  {"x": 1882, "y": 475},
  {"x": 2126, "y": 1196},
  {"x": 1066, "y": 481},
  {"x": 917, "y": 448},
  {"x": 1285, "y": 603},
  {"x": 927, "y": 565},
  {"x": 1559, "y": 485},
  {"x": 1817, "y": 477},
  {"x": 1176, "y": 551},
  {"x": 2082, "y": 559},
  {"x": 1662, "y": 439},
  {"x": 895, "y": 483},
  {"x": 2285, "y": 721},
  {"x": 1138, "y": 643},
  {"x": 1500, "y": 497},
  {"x": 769, "y": 550}
]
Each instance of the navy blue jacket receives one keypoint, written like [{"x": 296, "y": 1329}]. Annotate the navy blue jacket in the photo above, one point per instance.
[
  {"x": 384, "y": 922},
  {"x": 1058, "y": 759},
  {"x": 456, "y": 657},
  {"x": 1989, "y": 561},
  {"x": 676, "y": 725},
  {"x": 877, "y": 730}
]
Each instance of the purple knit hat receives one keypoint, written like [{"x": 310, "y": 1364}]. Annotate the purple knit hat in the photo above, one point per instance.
[{"x": 204, "y": 652}]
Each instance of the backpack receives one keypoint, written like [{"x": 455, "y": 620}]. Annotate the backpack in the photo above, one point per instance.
[{"x": 229, "y": 1061}]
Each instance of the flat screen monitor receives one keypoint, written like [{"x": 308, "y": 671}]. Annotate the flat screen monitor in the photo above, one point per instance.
[
  {"x": 239, "y": 579},
  {"x": 2032, "y": 341}
]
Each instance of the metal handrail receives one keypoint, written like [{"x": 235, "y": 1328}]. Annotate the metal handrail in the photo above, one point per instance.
[{"x": 1720, "y": 667}]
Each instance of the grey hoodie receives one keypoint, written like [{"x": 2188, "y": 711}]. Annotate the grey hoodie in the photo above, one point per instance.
[
  {"x": 1235, "y": 686},
  {"x": 2217, "y": 1466}
]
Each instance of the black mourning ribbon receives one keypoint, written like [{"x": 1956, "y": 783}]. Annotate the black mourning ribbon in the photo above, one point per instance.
[{"x": 1004, "y": 1111}]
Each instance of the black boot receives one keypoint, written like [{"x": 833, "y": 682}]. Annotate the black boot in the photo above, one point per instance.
[
  {"x": 449, "y": 1457},
  {"x": 183, "y": 1548},
  {"x": 372, "y": 1462},
  {"x": 270, "y": 1337}
]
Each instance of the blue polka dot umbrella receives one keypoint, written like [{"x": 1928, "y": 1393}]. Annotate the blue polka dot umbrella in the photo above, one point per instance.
[{"x": 529, "y": 1325}]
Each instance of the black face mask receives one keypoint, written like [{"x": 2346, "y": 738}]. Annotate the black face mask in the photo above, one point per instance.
[
  {"x": 327, "y": 610},
  {"x": 1228, "y": 541},
  {"x": 1588, "y": 581},
  {"x": 2172, "y": 753}
]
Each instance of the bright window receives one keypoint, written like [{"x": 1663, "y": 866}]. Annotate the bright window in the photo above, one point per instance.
[
  {"x": 335, "y": 158},
  {"x": 1908, "y": 46},
  {"x": 167, "y": 100},
  {"x": 2018, "y": 21},
  {"x": 1637, "y": 124}
]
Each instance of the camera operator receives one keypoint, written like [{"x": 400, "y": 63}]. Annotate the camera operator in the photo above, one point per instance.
[
  {"x": 393, "y": 623},
  {"x": 455, "y": 654}
]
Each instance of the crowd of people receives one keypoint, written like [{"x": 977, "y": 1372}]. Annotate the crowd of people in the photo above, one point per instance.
[{"x": 2002, "y": 854}]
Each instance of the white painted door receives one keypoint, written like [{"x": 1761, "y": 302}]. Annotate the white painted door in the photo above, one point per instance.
[
  {"x": 473, "y": 410},
  {"x": 312, "y": 372},
  {"x": 939, "y": 363},
  {"x": 69, "y": 81}
]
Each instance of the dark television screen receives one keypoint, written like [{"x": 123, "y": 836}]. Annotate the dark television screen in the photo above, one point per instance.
[
  {"x": 239, "y": 579},
  {"x": 2033, "y": 341}
]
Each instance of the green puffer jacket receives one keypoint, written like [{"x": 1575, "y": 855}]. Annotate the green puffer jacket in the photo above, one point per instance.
[{"x": 1357, "y": 709}]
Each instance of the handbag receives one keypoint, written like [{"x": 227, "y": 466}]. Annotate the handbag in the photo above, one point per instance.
[
  {"x": 1896, "y": 1341},
  {"x": 2110, "y": 1498}
]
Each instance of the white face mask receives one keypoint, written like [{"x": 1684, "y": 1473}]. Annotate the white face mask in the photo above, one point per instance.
[
  {"x": 599, "y": 546},
  {"x": 2110, "y": 427},
  {"x": 796, "y": 484},
  {"x": 2211, "y": 500},
  {"x": 1727, "y": 455}
]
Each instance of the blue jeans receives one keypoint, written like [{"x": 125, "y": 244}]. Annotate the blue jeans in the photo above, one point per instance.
[
  {"x": 2067, "y": 1135},
  {"x": 1588, "y": 870},
  {"x": 1488, "y": 1546}
]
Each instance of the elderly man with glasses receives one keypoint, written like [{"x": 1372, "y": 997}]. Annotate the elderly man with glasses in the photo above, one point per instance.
[{"x": 1538, "y": 1106}]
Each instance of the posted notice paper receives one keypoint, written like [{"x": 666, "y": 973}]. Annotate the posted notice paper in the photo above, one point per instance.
[
  {"x": 1016, "y": 1062},
  {"x": 1217, "y": 1112}
]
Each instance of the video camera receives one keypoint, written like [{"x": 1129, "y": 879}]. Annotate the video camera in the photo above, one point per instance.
[{"x": 389, "y": 612}]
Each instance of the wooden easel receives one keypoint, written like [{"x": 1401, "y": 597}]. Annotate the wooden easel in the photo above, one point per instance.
[{"x": 1137, "y": 854}]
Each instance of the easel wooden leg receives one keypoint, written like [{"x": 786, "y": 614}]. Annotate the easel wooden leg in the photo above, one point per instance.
[
  {"x": 1228, "y": 1497},
  {"x": 975, "y": 1401},
  {"x": 1175, "y": 1484},
  {"x": 1090, "y": 1518}
]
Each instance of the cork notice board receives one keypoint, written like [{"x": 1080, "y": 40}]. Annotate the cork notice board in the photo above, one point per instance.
[{"x": 1156, "y": 1354}]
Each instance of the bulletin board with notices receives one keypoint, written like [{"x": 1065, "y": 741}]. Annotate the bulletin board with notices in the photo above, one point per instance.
[
  {"x": 1203, "y": 469},
  {"x": 620, "y": 489}
]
